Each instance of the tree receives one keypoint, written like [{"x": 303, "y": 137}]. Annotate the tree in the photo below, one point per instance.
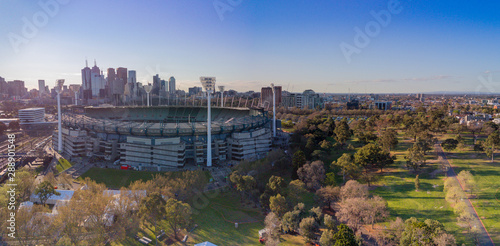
[
  {"x": 312, "y": 174},
  {"x": 298, "y": 160},
  {"x": 316, "y": 213},
  {"x": 308, "y": 228},
  {"x": 492, "y": 141},
  {"x": 330, "y": 179},
  {"x": 272, "y": 225},
  {"x": 421, "y": 233},
  {"x": 352, "y": 212},
  {"x": 328, "y": 195},
  {"x": 44, "y": 191},
  {"x": 372, "y": 156},
  {"x": 449, "y": 144},
  {"x": 153, "y": 209},
  {"x": 327, "y": 238},
  {"x": 417, "y": 183},
  {"x": 388, "y": 140},
  {"x": 415, "y": 157},
  {"x": 348, "y": 166},
  {"x": 296, "y": 189},
  {"x": 455, "y": 194},
  {"x": 353, "y": 189},
  {"x": 342, "y": 132},
  {"x": 278, "y": 205},
  {"x": 467, "y": 180},
  {"x": 376, "y": 210},
  {"x": 344, "y": 236},
  {"x": 292, "y": 219},
  {"x": 329, "y": 222},
  {"x": 177, "y": 214}
]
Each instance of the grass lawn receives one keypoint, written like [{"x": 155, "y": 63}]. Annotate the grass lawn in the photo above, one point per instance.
[
  {"x": 117, "y": 178},
  {"x": 63, "y": 164},
  {"x": 487, "y": 176},
  {"x": 397, "y": 187}
]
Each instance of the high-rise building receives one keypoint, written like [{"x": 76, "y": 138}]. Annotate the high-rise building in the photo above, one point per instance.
[
  {"x": 16, "y": 88},
  {"x": 163, "y": 85},
  {"x": 86, "y": 82},
  {"x": 266, "y": 95},
  {"x": 122, "y": 73},
  {"x": 156, "y": 85},
  {"x": 194, "y": 90},
  {"x": 3, "y": 86},
  {"x": 97, "y": 80},
  {"x": 111, "y": 75},
  {"x": 41, "y": 87},
  {"x": 171, "y": 85},
  {"x": 132, "y": 81}
]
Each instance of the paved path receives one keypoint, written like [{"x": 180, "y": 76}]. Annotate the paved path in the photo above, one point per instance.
[{"x": 485, "y": 237}]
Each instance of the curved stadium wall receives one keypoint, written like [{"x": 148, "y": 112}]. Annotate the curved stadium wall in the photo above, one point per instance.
[{"x": 165, "y": 136}]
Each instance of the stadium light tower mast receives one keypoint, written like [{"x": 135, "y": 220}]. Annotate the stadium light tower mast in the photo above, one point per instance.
[
  {"x": 221, "y": 89},
  {"x": 76, "y": 89},
  {"x": 59, "y": 85},
  {"x": 148, "y": 89},
  {"x": 274, "y": 110},
  {"x": 208, "y": 84}
]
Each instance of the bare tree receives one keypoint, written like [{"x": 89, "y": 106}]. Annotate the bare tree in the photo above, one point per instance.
[
  {"x": 312, "y": 174},
  {"x": 353, "y": 189},
  {"x": 273, "y": 224}
]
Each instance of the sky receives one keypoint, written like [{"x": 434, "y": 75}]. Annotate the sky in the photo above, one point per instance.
[{"x": 331, "y": 46}]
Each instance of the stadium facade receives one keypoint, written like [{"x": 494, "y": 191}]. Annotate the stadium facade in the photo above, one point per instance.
[{"x": 166, "y": 136}]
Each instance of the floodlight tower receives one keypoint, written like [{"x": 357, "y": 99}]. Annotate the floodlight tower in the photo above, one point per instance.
[
  {"x": 208, "y": 84},
  {"x": 274, "y": 110},
  {"x": 59, "y": 85},
  {"x": 221, "y": 89},
  {"x": 148, "y": 89}
]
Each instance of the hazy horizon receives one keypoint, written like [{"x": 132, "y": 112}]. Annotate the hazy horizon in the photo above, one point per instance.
[{"x": 329, "y": 47}]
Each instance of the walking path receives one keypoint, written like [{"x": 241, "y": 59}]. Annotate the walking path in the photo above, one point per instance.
[{"x": 485, "y": 238}]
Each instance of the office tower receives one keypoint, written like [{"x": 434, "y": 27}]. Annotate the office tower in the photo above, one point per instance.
[
  {"x": 132, "y": 83},
  {"x": 266, "y": 96},
  {"x": 97, "y": 80},
  {"x": 194, "y": 90},
  {"x": 3, "y": 86},
  {"x": 86, "y": 82},
  {"x": 111, "y": 75},
  {"x": 41, "y": 86},
  {"x": 121, "y": 73},
  {"x": 156, "y": 85},
  {"x": 163, "y": 85},
  {"x": 171, "y": 85},
  {"x": 16, "y": 88}
]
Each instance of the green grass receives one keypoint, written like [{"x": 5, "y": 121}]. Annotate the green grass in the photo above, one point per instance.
[
  {"x": 487, "y": 176},
  {"x": 117, "y": 178},
  {"x": 63, "y": 164},
  {"x": 397, "y": 187}
]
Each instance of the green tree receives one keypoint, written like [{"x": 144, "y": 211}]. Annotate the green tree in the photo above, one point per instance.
[
  {"x": 415, "y": 158},
  {"x": 348, "y": 166},
  {"x": 449, "y": 144},
  {"x": 388, "y": 140},
  {"x": 327, "y": 238},
  {"x": 467, "y": 180},
  {"x": 296, "y": 189},
  {"x": 372, "y": 156},
  {"x": 278, "y": 205},
  {"x": 342, "y": 132},
  {"x": 329, "y": 222},
  {"x": 344, "y": 236},
  {"x": 330, "y": 179},
  {"x": 492, "y": 141},
  {"x": 298, "y": 160},
  {"x": 421, "y": 233},
  {"x": 177, "y": 214},
  {"x": 152, "y": 209},
  {"x": 308, "y": 228},
  {"x": 44, "y": 191}
]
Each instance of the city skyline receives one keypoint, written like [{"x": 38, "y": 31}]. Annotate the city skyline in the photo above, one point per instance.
[{"x": 333, "y": 47}]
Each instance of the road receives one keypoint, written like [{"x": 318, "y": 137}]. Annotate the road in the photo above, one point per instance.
[{"x": 485, "y": 238}]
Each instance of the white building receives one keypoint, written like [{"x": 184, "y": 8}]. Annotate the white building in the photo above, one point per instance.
[{"x": 31, "y": 115}]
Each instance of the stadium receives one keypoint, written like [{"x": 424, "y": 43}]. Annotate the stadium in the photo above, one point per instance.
[{"x": 166, "y": 136}]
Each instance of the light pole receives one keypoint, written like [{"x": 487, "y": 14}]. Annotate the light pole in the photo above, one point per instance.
[
  {"x": 59, "y": 85},
  {"x": 76, "y": 89},
  {"x": 209, "y": 84},
  {"x": 148, "y": 89},
  {"x": 221, "y": 89},
  {"x": 274, "y": 110}
]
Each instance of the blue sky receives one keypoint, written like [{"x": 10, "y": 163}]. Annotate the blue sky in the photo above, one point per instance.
[{"x": 427, "y": 46}]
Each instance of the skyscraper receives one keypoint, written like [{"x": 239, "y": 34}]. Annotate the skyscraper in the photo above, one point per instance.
[
  {"x": 86, "y": 82},
  {"x": 121, "y": 73},
  {"x": 41, "y": 87},
  {"x": 171, "y": 85},
  {"x": 97, "y": 80},
  {"x": 266, "y": 95},
  {"x": 132, "y": 81},
  {"x": 156, "y": 85}
]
